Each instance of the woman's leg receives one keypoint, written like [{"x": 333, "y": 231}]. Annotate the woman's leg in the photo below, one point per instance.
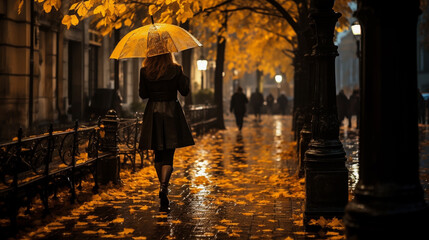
[{"x": 164, "y": 169}]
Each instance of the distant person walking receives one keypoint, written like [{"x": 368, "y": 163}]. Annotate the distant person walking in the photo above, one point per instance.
[
  {"x": 270, "y": 103},
  {"x": 238, "y": 106},
  {"x": 355, "y": 106},
  {"x": 257, "y": 101},
  {"x": 343, "y": 108},
  {"x": 283, "y": 103}
]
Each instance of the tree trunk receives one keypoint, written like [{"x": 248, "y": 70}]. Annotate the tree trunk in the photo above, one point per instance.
[
  {"x": 220, "y": 59},
  {"x": 186, "y": 64},
  {"x": 259, "y": 81}
]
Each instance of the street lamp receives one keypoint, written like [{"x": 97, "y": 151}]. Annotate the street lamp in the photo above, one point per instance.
[
  {"x": 279, "y": 80},
  {"x": 356, "y": 30},
  {"x": 202, "y": 66}
]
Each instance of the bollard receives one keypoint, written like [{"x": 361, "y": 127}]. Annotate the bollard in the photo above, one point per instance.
[{"x": 108, "y": 167}]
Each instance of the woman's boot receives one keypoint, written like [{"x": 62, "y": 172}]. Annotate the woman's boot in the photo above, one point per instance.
[{"x": 163, "y": 192}]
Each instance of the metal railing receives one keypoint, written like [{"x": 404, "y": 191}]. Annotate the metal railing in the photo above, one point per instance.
[
  {"x": 41, "y": 165},
  {"x": 201, "y": 117}
]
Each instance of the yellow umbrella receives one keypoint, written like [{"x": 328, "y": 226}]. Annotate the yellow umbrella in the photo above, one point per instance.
[{"x": 154, "y": 39}]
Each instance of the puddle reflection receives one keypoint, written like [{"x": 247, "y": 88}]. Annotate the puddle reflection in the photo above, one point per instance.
[
  {"x": 238, "y": 152},
  {"x": 350, "y": 140}
]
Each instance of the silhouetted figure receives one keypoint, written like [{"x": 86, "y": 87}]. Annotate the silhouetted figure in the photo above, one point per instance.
[
  {"x": 282, "y": 102},
  {"x": 257, "y": 101},
  {"x": 355, "y": 106},
  {"x": 343, "y": 107},
  {"x": 164, "y": 124},
  {"x": 270, "y": 103},
  {"x": 421, "y": 107},
  {"x": 238, "y": 106}
]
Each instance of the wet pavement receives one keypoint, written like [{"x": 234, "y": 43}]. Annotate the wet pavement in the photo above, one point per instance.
[
  {"x": 230, "y": 185},
  {"x": 350, "y": 139}
]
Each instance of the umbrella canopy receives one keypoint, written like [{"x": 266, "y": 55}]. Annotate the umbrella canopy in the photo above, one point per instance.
[{"x": 154, "y": 39}]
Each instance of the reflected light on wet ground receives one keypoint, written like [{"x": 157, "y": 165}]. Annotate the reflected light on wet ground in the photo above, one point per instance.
[
  {"x": 350, "y": 139},
  {"x": 278, "y": 138},
  {"x": 231, "y": 185}
]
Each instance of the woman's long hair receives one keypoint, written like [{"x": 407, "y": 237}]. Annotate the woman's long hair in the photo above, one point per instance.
[{"x": 156, "y": 66}]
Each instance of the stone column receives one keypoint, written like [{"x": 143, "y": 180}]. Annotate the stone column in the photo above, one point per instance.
[
  {"x": 325, "y": 171},
  {"x": 389, "y": 200}
]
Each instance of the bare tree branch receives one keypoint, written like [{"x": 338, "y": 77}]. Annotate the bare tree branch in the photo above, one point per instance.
[{"x": 285, "y": 14}]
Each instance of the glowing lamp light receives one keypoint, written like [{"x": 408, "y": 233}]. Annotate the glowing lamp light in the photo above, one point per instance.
[
  {"x": 202, "y": 64},
  {"x": 356, "y": 28},
  {"x": 278, "y": 78}
]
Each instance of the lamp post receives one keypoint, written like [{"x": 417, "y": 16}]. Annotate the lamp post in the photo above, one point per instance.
[
  {"x": 326, "y": 175},
  {"x": 356, "y": 30},
  {"x": 202, "y": 66},
  {"x": 356, "y": 33},
  {"x": 279, "y": 80}
]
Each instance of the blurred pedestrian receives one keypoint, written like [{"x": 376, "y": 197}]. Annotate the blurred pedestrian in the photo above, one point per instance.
[
  {"x": 355, "y": 106},
  {"x": 257, "y": 101},
  {"x": 421, "y": 107},
  {"x": 238, "y": 106},
  {"x": 270, "y": 103},
  {"x": 282, "y": 102},
  {"x": 343, "y": 108},
  {"x": 164, "y": 124}
]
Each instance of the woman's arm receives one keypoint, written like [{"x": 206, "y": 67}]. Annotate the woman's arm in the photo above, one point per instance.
[
  {"x": 183, "y": 83},
  {"x": 143, "y": 91}
]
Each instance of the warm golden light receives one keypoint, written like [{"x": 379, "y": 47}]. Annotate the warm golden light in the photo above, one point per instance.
[
  {"x": 202, "y": 64},
  {"x": 356, "y": 29},
  {"x": 278, "y": 78}
]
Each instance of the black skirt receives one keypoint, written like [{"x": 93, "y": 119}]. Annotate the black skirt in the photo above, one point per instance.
[{"x": 165, "y": 126}]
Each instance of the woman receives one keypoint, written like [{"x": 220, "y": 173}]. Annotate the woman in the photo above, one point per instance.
[{"x": 164, "y": 125}]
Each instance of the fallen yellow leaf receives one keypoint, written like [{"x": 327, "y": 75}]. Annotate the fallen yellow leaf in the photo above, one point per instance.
[
  {"x": 127, "y": 231},
  {"x": 118, "y": 220}
]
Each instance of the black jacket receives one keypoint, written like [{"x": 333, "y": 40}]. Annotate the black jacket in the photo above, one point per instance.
[
  {"x": 238, "y": 103},
  {"x": 164, "y": 124}
]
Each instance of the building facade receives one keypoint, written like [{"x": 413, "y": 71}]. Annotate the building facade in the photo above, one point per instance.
[{"x": 49, "y": 74}]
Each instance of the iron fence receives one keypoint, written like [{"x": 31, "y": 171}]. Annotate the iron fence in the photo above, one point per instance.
[{"x": 38, "y": 166}]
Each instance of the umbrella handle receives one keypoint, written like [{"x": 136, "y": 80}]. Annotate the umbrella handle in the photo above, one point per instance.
[{"x": 151, "y": 17}]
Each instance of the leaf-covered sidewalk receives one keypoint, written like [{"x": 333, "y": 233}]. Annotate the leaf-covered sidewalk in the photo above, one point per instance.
[{"x": 231, "y": 184}]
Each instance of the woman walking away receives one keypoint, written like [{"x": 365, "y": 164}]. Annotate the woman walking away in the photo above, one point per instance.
[{"x": 164, "y": 124}]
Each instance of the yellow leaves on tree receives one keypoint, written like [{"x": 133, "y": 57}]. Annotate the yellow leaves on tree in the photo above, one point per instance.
[
  {"x": 48, "y": 4},
  {"x": 100, "y": 9},
  {"x": 69, "y": 20}
]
